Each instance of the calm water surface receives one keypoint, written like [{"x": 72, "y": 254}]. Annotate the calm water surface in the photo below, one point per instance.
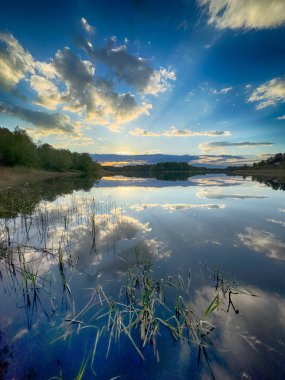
[{"x": 229, "y": 224}]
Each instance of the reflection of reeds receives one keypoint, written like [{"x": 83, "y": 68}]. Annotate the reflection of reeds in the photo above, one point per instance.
[
  {"x": 144, "y": 307},
  {"x": 141, "y": 313}
]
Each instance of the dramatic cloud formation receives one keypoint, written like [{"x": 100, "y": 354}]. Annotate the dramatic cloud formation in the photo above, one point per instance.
[
  {"x": 246, "y": 14},
  {"x": 263, "y": 242},
  {"x": 69, "y": 83},
  {"x": 133, "y": 70},
  {"x": 52, "y": 123},
  {"x": 15, "y": 62},
  {"x": 174, "y": 132},
  {"x": 226, "y": 144},
  {"x": 269, "y": 93}
]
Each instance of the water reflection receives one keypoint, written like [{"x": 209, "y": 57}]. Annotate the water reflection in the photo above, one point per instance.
[
  {"x": 246, "y": 339},
  {"x": 276, "y": 221},
  {"x": 218, "y": 194},
  {"x": 174, "y": 207},
  {"x": 24, "y": 199},
  {"x": 264, "y": 242},
  {"x": 57, "y": 249},
  {"x": 275, "y": 183}
]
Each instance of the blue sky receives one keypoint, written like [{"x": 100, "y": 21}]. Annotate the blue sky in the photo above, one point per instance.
[{"x": 202, "y": 77}]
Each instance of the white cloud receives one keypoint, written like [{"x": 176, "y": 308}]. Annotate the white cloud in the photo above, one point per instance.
[
  {"x": 159, "y": 81},
  {"x": 281, "y": 117},
  {"x": 269, "y": 93},
  {"x": 48, "y": 94},
  {"x": 227, "y": 144},
  {"x": 246, "y": 14},
  {"x": 15, "y": 62},
  {"x": 86, "y": 26},
  {"x": 174, "y": 132},
  {"x": 223, "y": 91},
  {"x": 46, "y": 69}
]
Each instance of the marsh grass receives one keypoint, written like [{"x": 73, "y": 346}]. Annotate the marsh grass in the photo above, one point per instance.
[{"x": 142, "y": 310}]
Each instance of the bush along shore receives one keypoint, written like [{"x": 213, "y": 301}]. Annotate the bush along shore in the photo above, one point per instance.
[{"x": 18, "y": 149}]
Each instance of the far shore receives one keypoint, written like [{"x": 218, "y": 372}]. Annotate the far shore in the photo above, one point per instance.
[{"x": 14, "y": 176}]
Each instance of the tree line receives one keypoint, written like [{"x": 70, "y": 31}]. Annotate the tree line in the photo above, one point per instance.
[
  {"x": 18, "y": 149},
  {"x": 277, "y": 161}
]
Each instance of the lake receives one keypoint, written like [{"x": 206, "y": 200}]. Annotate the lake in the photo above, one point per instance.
[{"x": 135, "y": 278}]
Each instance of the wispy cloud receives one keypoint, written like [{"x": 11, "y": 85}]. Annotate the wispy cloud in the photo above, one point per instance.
[
  {"x": 226, "y": 144},
  {"x": 86, "y": 26},
  {"x": 222, "y": 91},
  {"x": 281, "y": 117},
  {"x": 224, "y": 160},
  {"x": 245, "y": 14},
  {"x": 175, "y": 132},
  {"x": 269, "y": 93}
]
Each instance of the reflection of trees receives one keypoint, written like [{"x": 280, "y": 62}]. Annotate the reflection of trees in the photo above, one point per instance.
[
  {"x": 274, "y": 183},
  {"x": 24, "y": 199}
]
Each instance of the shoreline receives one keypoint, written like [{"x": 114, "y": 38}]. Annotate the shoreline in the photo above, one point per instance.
[
  {"x": 275, "y": 173},
  {"x": 15, "y": 176}
]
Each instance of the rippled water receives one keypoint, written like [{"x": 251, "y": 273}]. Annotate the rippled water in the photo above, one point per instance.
[{"x": 54, "y": 255}]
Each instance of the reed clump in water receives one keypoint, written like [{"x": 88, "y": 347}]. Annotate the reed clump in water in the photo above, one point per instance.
[{"x": 143, "y": 311}]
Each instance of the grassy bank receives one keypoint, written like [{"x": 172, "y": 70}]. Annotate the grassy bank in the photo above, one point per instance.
[{"x": 12, "y": 176}]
